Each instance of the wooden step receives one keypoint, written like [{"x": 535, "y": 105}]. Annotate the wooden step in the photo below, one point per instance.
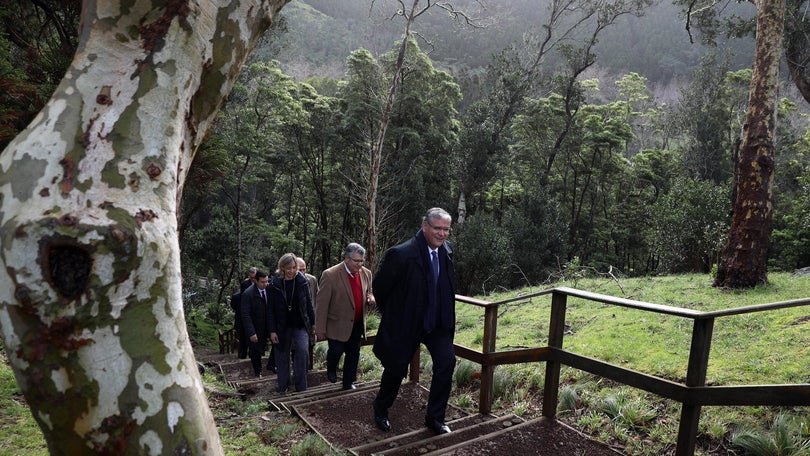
[
  {"x": 397, "y": 441},
  {"x": 328, "y": 418},
  {"x": 553, "y": 436}
]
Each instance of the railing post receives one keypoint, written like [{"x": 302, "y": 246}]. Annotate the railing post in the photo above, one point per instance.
[
  {"x": 695, "y": 376},
  {"x": 556, "y": 330},
  {"x": 487, "y": 369}
]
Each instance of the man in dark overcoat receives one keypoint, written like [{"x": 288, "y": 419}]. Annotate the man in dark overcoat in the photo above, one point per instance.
[{"x": 415, "y": 293}]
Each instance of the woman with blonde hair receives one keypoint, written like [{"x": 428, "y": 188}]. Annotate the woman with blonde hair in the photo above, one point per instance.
[{"x": 290, "y": 319}]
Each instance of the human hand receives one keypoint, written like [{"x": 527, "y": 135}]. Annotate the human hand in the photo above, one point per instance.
[{"x": 274, "y": 338}]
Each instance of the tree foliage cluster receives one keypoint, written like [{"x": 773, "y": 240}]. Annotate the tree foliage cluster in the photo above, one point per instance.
[
  {"x": 546, "y": 158},
  {"x": 540, "y": 165}
]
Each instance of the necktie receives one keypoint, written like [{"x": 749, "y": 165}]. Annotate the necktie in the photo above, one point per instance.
[
  {"x": 261, "y": 293},
  {"x": 434, "y": 262},
  {"x": 432, "y": 314}
]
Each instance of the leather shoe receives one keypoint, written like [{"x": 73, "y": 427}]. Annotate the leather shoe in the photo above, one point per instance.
[
  {"x": 331, "y": 376},
  {"x": 349, "y": 387},
  {"x": 436, "y": 426},
  {"x": 382, "y": 422}
]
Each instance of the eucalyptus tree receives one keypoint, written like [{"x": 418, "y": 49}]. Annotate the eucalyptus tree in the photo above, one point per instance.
[
  {"x": 744, "y": 261},
  {"x": 421, "y": 131},
  {"x": 90, "y": 307},
  {"x": 571, "y": 29},
  {"x": 315, "y": 147},
  {"x": 409, "y": 14}
]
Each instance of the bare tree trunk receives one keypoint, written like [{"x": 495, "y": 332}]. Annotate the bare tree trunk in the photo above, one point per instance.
[
  {"x": 744, "y": 262},
  {"x": 90, "y": 304},
  {"x": 376, "y": 152}
]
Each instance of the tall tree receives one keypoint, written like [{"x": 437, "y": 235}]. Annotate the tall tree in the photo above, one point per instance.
[
  {"x": 90, "y": 303},
  {"x": 744, "y": 262}
]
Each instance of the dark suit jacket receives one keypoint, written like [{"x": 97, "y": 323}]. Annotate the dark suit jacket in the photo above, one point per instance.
[
  {"x": 401, "y": 290},
  {"x": 254, "y": 314},
  {"x": 334, "y": 312},
  {"x": 302, "y": 303}
]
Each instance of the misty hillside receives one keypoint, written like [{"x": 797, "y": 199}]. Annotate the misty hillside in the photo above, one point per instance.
[{"x": 318, "y": 35}]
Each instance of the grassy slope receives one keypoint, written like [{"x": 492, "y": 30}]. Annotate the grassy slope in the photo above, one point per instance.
[{"x": 760, "y": 348}]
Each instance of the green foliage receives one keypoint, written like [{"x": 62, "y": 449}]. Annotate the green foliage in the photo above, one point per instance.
[
  {"x": 789, "y": 437},
  {"x": 313, "y": 445},
  {"x": 463, "y": 374},
  {"x": 481, "y": 255},
  {"x": 688, "y": 226}
]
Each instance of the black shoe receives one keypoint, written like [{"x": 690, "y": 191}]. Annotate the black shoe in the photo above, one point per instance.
[
  {"x": 349, "y": 387},
  {"x": 271, "y": 368},
  {"x": 382, "y": 422},
  {"x": 436, "y": 426},
  {"x": 331, "y": 376}
]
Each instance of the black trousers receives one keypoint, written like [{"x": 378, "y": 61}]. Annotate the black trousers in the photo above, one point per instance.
[
  {"x": 352, "y": 350},
  {"x": 440, "y": 346},
  {"x": 255, "y": 352}
]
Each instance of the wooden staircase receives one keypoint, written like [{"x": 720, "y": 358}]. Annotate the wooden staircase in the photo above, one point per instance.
[{"x": 345, "y": 420}]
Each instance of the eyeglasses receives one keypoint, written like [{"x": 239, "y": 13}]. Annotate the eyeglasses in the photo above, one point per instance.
[
  {"x": 443, "y": 229},
  {"x": 358, "y": 260}
]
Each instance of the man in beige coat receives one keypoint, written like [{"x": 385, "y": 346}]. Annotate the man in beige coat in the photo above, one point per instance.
[{"x": 344, "y": 293}]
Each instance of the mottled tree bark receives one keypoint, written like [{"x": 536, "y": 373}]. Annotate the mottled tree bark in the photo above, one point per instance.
[
  {"x": 744, "y": 261},
  {"x": 90, "y": 293}
]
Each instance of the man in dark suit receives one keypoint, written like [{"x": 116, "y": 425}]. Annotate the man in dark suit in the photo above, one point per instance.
[
  {"x": 254, "y": 320},
  {"x": 415, "y": 293},
  {"x": 236, "y": 305},
  {"x": 340, "y": 314}
]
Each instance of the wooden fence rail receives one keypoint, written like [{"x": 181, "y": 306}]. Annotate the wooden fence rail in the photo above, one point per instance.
[{"x": 692, "y": 394}]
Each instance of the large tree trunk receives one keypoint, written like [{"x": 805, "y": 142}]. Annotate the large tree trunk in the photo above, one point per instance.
[
  {"x": 744, "y": 262},
  {"x": 90, "y": 293}
]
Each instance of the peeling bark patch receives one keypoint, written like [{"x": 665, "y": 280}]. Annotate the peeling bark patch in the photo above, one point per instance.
[
  {"x": 103, "y": 98},
  {"x": 68, "y": 267},
  {"x": 154, "y": 33},
  {"x": 134, "y": 182},
  {"x": 44, "y": 193},
  {"x": 145, "y": 215},
  {"x": 69, "y": 169},
  {"x": 60, "y": 335},
  {"x": 153, "y": 171},
  {"x": 85, "y": 140},
  {"x": 119, "y": 429},
  {"x": 68, "y": 220},
  {"x": 26, "y": 178}
]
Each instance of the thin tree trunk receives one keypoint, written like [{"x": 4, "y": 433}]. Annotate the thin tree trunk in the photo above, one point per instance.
[
  {"x": 376, "y": 153},
  {"x": 90, "y": 304},
  {"x": 744, "y": 261}
]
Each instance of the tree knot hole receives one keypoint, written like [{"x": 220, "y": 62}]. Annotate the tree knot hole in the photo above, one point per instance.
[{"x": 69, "y": 269}]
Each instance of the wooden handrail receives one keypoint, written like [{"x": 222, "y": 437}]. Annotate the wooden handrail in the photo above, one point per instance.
[{"x": 692, "y": 394}]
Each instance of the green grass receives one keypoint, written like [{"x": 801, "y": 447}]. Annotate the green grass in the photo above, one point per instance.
[
  {"x": 19, "y": 432},
  {"x": 760, "y": 348}
]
